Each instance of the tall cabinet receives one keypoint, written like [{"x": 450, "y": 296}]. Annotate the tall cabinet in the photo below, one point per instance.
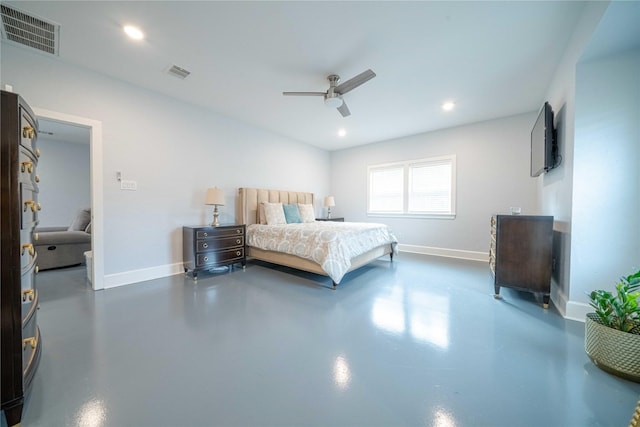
[
  {"x": 21, "y": 345},
  {"x": 520, "y": 254}
]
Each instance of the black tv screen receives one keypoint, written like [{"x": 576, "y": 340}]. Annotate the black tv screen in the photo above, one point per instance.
[{"x": 542, "y": 142}]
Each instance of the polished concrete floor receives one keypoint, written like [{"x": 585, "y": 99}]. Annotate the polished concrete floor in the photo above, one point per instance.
[{"x": 420, "y": 342}]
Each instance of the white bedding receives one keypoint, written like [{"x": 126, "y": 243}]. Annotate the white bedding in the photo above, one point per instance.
[{"x": 330, "y": 244}]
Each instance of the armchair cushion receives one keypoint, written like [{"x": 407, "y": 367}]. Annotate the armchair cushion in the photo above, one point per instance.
[{"x": 81, "y": 221}]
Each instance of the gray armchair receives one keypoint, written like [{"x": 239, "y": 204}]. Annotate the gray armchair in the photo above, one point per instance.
[{"x": 64, "y": 246}]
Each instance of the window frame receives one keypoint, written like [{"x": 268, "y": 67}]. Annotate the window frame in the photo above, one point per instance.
[{"x": 406, "y": 166}]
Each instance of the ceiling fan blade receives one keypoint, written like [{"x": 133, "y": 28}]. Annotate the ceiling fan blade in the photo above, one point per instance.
[
  {"x": 344, "y": 110},
  {"x": 304, "y": 93},
  {"x": 353, "y": 83}
]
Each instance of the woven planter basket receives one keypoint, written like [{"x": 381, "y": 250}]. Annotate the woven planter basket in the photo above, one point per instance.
[{"x": 612, "y": 350}]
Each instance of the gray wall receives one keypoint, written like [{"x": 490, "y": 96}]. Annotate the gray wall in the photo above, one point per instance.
[
  {"x": 172, "y": 149},
  {"x": 492, "y": 175},
  {"x": 64, "y": 171}
]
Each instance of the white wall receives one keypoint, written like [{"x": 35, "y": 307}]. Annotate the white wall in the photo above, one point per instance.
[
  {"x": 492, "y": 176},
  {"x": 555, "y": 189},
  {"x": 605, "y": 237},
  {"x": 172, "y": 149},
  {"x": 65, "y": 174}
]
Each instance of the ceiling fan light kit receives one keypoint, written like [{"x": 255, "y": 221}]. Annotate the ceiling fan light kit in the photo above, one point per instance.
[{"x": 333, "y": 96}]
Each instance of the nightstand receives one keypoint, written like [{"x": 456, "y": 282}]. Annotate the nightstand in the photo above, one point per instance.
[
  {"x": 206, "y": 247},
  {"x": 330, "y": 219}
]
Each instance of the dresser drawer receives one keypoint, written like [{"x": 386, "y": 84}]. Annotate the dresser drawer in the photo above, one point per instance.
[
  {"x": 220, "y": 232},
  {"x": 219, "y": 243},
  {"x": 29, "y": 206},
  {"x": 28, "y": 132},
  {"x": 217, "y": 257}
]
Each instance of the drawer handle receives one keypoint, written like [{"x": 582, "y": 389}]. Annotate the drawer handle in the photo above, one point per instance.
[
  {"x": 29, "y": 203},
  {"x": 33, "y": 342},
  {"x": 37, "y": 269},
  {"x": 30, "y": 247},
  {"x": 37, "y": 152},
  {"x": 28, "y": 166},
  {"x": 238, "y": 253},
  {"x": 205, "y": 234},
  {"x": 238, "y": 231},
  {"x": 238, "y": 241},
  {"x": 37, "y": 178},
  {"x": 206, "y": 259},
  {"x": 36, "y": 236},
  {"x": 29, "y": 293},
  {"x": 28, "y": 132},
  {"x": 205, "y": 245}
]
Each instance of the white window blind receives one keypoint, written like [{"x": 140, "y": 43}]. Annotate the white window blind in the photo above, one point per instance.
[{"x": 423, "y": 187}]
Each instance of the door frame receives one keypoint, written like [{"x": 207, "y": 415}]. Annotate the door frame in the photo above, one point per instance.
[{"x": 96, "y": 172}]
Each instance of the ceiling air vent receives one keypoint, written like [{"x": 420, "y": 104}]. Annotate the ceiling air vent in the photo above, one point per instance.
[
  {"x": 28, "y": 30},
  {"x": 179, "y": 72}
]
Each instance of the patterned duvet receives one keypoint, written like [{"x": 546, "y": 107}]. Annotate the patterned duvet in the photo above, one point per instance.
[{"x": 332, "y": 245}]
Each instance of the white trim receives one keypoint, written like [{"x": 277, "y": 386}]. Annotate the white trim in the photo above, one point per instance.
[
  {"x": 577, "y": 311},
  {"x": 97, "y": 219},
  {"x": 444, "y": 252},
  {"x": 142, "y": 275}
]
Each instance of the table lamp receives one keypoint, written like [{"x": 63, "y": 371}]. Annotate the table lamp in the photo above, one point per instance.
[
  {"x": 215, "y": 197},
  {"x": 329, "y": 201}
]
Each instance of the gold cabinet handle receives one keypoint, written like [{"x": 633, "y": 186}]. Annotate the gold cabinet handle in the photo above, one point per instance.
[
  {"x": 37, "y": 178},
  {"x": 38, "y": 206},
  {"x": 30, "y": 203},
  {"x": 37, "y": 152},
  {"x": 28, "y": 132},
  {"x": 29, "y": 341},
  {"x": 205, "y": 245},
  {"x": 28, "y": 166},
  {"x": 37, "y": 269},
  {"x": 29, "y": 293},
  {"x": 36, "y": 236},
  {"x": 30, "y": 247}
]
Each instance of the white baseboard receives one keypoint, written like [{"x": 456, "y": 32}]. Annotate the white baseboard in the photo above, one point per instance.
[
  {"x": 449, "y": 253},
  {"x": 577, "y": 311},
  {"x": 135, "y": 276}
]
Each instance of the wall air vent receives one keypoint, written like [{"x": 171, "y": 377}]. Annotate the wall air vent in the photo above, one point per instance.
[
  {"x": 27, "y": 30},
  {"x": 179, "y": 72}
]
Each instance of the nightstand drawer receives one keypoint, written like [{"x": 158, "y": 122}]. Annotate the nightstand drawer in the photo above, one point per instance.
[
  {"x": 217, "y": 257},
  {"x": 213, "y": 243},
  {"x": 220, "y": 232}
]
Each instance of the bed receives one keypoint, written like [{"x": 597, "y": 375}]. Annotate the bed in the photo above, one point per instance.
[{"x": 352, "y": 246}]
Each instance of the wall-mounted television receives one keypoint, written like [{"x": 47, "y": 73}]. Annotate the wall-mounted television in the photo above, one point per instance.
[{"x": 543, "y": 142}]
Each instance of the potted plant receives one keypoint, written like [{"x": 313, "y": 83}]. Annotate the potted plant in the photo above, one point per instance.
[{"x": 612, "y": 333}]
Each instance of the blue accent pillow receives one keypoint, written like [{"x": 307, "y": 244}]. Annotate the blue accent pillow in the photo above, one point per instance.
[{"x": 291, "y": 213}]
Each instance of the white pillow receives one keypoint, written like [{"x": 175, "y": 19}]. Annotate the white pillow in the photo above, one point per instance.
[
  {"x": 307, "y": 213},
  {"x": 274, "y": 213}
]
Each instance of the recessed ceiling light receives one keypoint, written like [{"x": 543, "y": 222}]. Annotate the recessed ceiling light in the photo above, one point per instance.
[
  {"x": 133, "y": 32},
  {"x": 448, "y": 106},
  {"x": 342, "y": 133}
]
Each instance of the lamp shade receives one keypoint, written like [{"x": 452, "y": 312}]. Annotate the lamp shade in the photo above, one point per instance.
[
  {"x": 215, "y": 196},
  {"x": 329, "y": 201}
]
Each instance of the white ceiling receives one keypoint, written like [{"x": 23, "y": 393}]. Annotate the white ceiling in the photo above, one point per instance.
[{"x": 494, "y": 59}]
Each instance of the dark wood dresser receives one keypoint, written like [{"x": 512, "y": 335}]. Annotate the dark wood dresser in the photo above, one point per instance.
[
  {"x": 520, "y": 255},
  {"x": 207, "y": 247},
  {"x": 340, "y": 219},
  {"x": 21, "y": 345}
]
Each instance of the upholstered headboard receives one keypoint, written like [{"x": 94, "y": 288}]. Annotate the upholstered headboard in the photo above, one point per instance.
[{"x": 250, "y": 198}]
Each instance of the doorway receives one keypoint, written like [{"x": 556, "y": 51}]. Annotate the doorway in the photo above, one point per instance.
[{"x": 96, "y": 170}]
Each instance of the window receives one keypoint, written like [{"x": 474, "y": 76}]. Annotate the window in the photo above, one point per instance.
[{"x": 421, "y": 188}]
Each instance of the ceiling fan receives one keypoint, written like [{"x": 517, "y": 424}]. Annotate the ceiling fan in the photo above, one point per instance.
[{"x": 333, "y": 96}]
